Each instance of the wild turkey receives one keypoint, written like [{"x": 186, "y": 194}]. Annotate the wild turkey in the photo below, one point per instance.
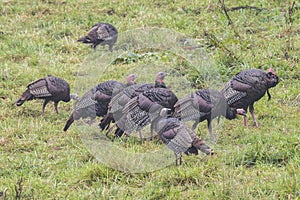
[
  {"x": 119, "y": 100},
  {"x": 50, "y": 88},
  {"x": 101, "y": 33},
  {"x": 205, "y": 104},
  {"x": 249, "y": 86},
  {"x": 159, "y": 81},
  {"x": 143, "y": 109},
  {"x": 95, "y": 102},
  {"x": 178, "y": 137}
]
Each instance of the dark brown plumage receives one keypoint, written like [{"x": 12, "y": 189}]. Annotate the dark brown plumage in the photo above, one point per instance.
[
  {"x": 144, "y": 108},
  {"x": 50, "y": 88},
  {"x": 101, "y": 33},
  {"x": 178, "y": 137},
  {"x": 247, "y": 87},
  {"x": 119, "y": 100},
  {"x": 95, "y": 102},
  {"x": 205, "y": 104}
]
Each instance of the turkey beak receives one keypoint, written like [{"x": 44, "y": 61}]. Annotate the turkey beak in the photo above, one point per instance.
[
  {"x": 212, "y": 152},
  {"x": 74, "y": 96},
  {"x": 131, "y": 78},
  {"x": 162, "y": 75},
  {"x": 134, "y": 77},
  {"x": 207, "y": 150},
  {"x": 165, "y": 112},
  {"x": 241, "y": 111}
]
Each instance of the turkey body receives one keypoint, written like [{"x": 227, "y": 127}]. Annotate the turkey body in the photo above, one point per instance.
[
  {"x": 120, "y": 99},
  {"x": 50, "y": 88},
  {"x": 247, "y": 87},
  {"x": 101, "y": 34},
  {"x": 179, "y": 138},
  {"x": 144, "y": 109},
  {"x": 205, "y": 104},
  {"x": 94, "y": 102}
]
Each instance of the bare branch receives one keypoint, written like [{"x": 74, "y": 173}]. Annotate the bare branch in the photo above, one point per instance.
[
  {"x": 290, "y": 12},
  {"x": 230, "y": 23},
  {"x": 215, "y": 42},
  {"x": 289, "y": 24},
  {"x": 245, "y": 7},
  {"x": 225, "y": 12}
]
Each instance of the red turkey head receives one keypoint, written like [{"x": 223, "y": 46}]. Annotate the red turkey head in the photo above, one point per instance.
[
  {"x": 272, "y": 78},
  {"x": 272, "y": 71}
]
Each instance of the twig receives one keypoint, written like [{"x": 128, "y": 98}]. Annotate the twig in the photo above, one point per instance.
[
  {"x": 215, "y": 42},
  {"x": 19, "y": 188},
  {"x": 245, "y": 7},
  {"x": 289, "y": 23},
  {"x": 290, "y": 12},
  {"x": 230, "y": 23},
  {"x": 225, "y": 12}
]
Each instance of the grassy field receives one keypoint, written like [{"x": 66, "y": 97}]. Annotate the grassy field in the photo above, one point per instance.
[{"x": 40, "y": 161}]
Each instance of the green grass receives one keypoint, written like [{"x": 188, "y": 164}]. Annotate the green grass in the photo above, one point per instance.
[{"x": 39, "y": 161}]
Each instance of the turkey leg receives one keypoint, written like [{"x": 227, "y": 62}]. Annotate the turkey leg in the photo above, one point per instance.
[
  {"x": 209, "y": 126},
  {"x": 46, "y": 101},
  {"x": 251, "y": 109},
  {"x": 56, "y": 108}
]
